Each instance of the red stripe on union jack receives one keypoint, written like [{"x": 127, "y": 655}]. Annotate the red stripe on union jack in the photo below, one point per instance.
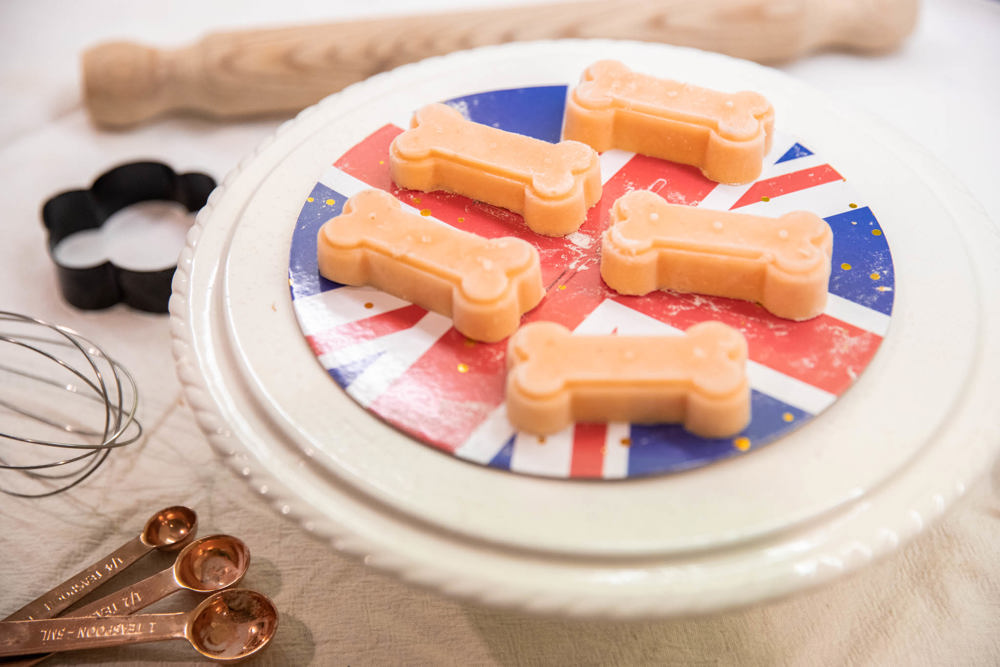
[
  {"x": 448, "y": 391},
  {"x": 787, "y": 183},
  {"x": 368, "y": 328},
  {"x": 588, "y": 450},
  {"x": 824, "y": 352}
]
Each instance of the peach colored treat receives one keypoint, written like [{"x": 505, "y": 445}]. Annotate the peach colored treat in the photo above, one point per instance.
[
  {"x": 699, "y": 379},
  {"x": 726, "y": 135},
  {"x": 551, "y": 185},
  {"x": 782, "y": 263},
  {"x": 484, "y": 285}
]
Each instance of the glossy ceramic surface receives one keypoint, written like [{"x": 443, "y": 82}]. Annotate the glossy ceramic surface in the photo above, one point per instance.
[{"x": 859, "y": 479}]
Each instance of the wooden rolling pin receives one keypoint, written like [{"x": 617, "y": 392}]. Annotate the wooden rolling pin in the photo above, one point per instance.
[{"x": 279, "y": 71}]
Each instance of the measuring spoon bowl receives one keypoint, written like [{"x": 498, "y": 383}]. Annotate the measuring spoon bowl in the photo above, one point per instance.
[
  {"x": 169, "y": 529},
  {"x": 211, "y": 563},
  {"x": 227, "y": 626},
  {"x": 233, "y": 626}
]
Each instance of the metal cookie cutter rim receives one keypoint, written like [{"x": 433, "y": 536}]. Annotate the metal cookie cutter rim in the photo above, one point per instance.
[{"x": 105, "y": 284}]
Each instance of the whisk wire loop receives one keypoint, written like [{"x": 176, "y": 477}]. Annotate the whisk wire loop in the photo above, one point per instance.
[{"x": 101, "y": 392}]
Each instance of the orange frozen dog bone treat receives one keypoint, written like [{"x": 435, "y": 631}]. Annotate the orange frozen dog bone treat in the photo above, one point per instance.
[
  {"x": 782, "y": 263},
  {"x": 551, "y": 185},
  {"x": 484, "y": 285},
  {"x": 698, "y": 379},
  {"x": 726, "y": 135}
]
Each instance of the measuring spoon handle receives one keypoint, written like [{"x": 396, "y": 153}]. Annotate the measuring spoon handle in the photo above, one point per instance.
[
  {"x": 120, "y": 603},
  {"x": 81, "y": 583},
  {"x": 72, "y": 634},
  {"x": 133, "y": 598}
]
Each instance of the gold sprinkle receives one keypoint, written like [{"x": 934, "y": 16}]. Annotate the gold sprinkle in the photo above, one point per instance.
[
  {"x": 742, "y": 444},
  {"x": 463, "y": 368},
  {"x": 416, "y": 200},
  {"x": 369, "y": 304},
  {"x": 469, "y": 342},
  {"x": 876, "y": 232},
  {"x": 310, "y": 199},
  {"x": 461, "y": 220},
  {"x": 853, "y": 205},
  {"x": 788, "y": 417},
  {"x": 330, "y": 202},
  {"x": 765, "y": 199},
  {"x": 425, "y": 212},
  {"x": 381, "y": 161},
  {"x": 541, "y": 440},
  {"x": 562, "y": 287},
  {"x": 845, "y": 266},
  {"x": 875, "y": 275},
  {"x": 626, "y": 442},
  {"x": 883, "y": 288}
]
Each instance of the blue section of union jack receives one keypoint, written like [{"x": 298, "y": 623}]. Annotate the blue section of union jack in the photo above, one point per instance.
[
  {"x": 322, "y": 204},
  {"x": 861, "y": 258},
  {"x": 796, "y": 151},
  {"x": 505, "y": 109},
  {"x": 413, "y": 370},
  {"x": 653, "y": 447}
]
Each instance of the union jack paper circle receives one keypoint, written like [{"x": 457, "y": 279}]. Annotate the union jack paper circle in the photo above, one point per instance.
[{"x": 413, "y": 370}]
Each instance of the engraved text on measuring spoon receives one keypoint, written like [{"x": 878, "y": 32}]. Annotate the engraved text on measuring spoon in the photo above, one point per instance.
[
  {"x": 169, "y": 530},
  {"x": 226, "y": 626}
]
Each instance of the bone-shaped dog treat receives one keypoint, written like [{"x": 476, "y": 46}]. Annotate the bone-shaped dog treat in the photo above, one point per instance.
[
  {"x": 551, "y": 185},
  {"x": 782, "y": 263},
  {"x": 698, "y": 379},
  {"x": 726, "y": 135},
  {"x": 484, "y": 285}
]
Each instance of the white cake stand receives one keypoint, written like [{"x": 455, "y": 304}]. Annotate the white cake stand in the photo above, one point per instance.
[{"x": 863, "y": 477}]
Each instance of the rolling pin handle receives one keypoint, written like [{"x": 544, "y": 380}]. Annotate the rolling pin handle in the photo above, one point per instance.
[{"x": 125, "y": 83}]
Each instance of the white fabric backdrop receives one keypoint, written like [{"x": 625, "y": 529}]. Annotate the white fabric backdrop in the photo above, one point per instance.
[{"x": 935, "y": 602}]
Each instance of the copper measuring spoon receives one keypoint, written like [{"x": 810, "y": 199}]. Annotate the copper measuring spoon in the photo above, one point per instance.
[
  {"x": 227, "y": 626},
  {"x": 168, "y": 530},
  {"x": 207, "y": 565}
]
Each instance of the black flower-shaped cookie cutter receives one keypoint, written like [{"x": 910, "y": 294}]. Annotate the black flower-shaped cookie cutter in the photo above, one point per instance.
[{"x": 105, "y": 284}]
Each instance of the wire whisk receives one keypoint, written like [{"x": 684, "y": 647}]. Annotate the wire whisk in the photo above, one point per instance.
[{"x": 64, "y": 406}]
